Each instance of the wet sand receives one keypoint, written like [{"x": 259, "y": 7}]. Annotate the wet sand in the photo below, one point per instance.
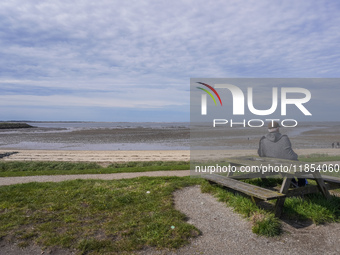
[
  {"x": 103, "y": 139},
  {"x": 166, "y": 138}
]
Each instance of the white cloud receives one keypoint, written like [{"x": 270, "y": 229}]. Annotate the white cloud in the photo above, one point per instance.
[
  {"x": 111, "y": 45},
  {"x": 136, "y": 98}
]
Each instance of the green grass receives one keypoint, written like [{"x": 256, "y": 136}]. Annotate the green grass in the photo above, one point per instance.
[
  {"x": 96, "y": 217},
  {"x": 32, "y": 168},
  {"x": 313, "y": 207},
  {"x": 266, "y": 225},
  {"x": 318, "y": 158},
  {"x": 331, "y": 170}
]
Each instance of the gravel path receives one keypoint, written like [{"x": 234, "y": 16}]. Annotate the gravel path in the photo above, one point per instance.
[
  {"x": 60, "y": 178},
  {"x": 226, "y": 232}
]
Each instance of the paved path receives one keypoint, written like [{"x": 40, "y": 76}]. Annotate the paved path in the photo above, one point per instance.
[{"x": 59, "y": 178}]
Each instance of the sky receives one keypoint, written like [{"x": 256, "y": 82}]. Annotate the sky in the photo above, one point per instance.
[{"x": 131, "y": 60}]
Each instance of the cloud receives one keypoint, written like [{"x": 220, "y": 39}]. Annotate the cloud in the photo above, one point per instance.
[{"x": 153, "y": 47}]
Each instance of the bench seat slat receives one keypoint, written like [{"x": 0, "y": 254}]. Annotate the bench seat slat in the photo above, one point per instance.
[{"x": 243, "y": 187}]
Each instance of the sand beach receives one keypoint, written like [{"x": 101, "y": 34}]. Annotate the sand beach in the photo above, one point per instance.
[{"x": 106, "y": 157}]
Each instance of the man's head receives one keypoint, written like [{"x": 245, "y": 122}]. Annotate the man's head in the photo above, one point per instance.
[{"x": 273, "y": 126}]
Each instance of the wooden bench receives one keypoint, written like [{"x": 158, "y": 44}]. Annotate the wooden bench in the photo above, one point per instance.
[
  {"x": 246, "y": 188},
  {"x": 257, "y": 193}
]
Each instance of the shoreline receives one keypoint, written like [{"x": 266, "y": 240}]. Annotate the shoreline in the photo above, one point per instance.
[
  {"x": 128, "y": 156},
  {"x": 156, "y": 136}
]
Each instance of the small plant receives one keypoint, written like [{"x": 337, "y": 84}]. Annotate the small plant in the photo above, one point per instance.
[{"x": 266, "y": 225}]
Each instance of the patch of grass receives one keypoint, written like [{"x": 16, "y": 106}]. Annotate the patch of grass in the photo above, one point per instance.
[
  {"x": 266, "y": 225},
  {"x": 148, "y": 163},
  {"x": 313, "y": 207},
  {"x": 96, "y": 217},
  {"x": 316, "y": 157},
  {"x": 20, "y": 168},
  {"x": 325, "y": 169},
  {"x": 34, "y": 166}
]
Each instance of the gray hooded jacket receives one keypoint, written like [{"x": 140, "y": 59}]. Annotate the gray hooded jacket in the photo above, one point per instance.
[{"x": 276, "y": 145}]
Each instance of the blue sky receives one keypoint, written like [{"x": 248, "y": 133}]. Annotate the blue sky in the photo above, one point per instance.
[{"x": 133, "y": 60}]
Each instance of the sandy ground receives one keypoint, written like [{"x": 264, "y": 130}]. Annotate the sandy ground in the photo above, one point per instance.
[
  {"x": 97, "y": 156},
  {"x": 106, "y": 157}
]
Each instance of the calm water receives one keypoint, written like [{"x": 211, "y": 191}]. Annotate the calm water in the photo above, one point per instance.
[{"x": 93, "y": 125}]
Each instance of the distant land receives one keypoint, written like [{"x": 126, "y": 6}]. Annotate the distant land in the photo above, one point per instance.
[
  {"x": 41, "y": 121},
  {"x": 14, "y": 125}
]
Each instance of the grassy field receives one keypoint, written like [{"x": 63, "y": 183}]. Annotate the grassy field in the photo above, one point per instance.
[
  {"x": 20, "y": 168},
  {"x": 318, "y": 158},
  {"x": 96, "y": 216}
]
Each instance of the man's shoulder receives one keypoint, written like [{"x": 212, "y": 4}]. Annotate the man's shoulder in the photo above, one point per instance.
[
  {"x": 284, "y": 137},
  {"x": 262, "y": 138}
]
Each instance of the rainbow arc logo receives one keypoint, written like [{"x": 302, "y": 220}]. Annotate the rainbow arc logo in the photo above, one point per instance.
[
  {"x": 209, "y": 93},
  {"x": 204, "y": 97}
]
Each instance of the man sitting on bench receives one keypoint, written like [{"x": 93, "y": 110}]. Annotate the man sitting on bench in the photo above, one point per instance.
[{"x": 276, "y": 145}]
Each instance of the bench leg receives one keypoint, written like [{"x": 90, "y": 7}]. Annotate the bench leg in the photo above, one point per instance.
[
  {"x": 255, "y": 200},
  {"x": 285, "y": 185},
  {"x": 321, "y": 184},
  {"x": 230, "y": 174},
  {"x": 281, "y": 201},
  {"x": 212, "y": 183},
  {"x": 278, "y": 206}
]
